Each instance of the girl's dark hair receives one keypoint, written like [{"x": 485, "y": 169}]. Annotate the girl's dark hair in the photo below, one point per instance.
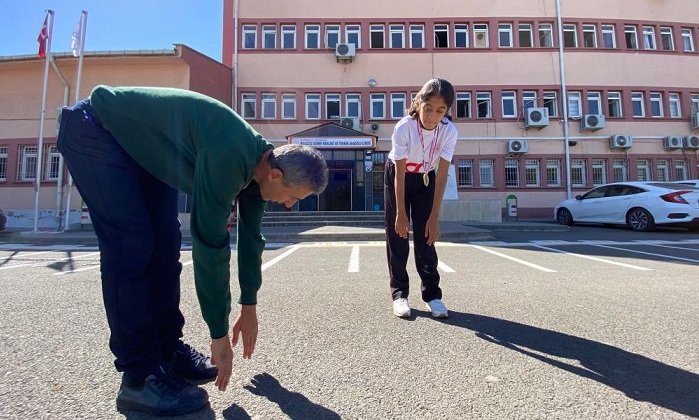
[{"x": 433, "y": 87}]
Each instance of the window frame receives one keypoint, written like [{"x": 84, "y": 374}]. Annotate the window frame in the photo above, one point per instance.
[
  {"x": 525, "y": 31},
  {"x": 649, "y": 41},
  {"x": 614, "y": 99},
  {"x": 353, "y": 30},
  {"x": 268, "y": 30},
  {"x": 311, "y": 30},
  {"x": 398, "y": 98},
  {"x": 441, "y": 28},
  {"x": 377, "y": 28},
  {"x": 246, "y": 31},
  {"x": 545, "y": 33},
  {"x": 638, "y": 98},
  {"x": 505, "y": 29},
  {"x": 481, "y": 29},
  {"x": 508, "y": 98},
  {"x": 417, "y": 29},
  {"x": 656, "y": 105},
  {"x": 377, "y": 98},
  {"x": 267, "y": 98},
  {"x": 310, "y": 99},
  {"x": 568, "y": 29},
  {"x": 610, "y": 30},
  {"x": 289, "y": 99},
  {"x": 396, "y": 29},
  {"x": 589, "y": 28},
  {"x": 287, "y": 30},
  {"x": 461, "y": 30},
  {"x": 250, "y": 99},
  {"x": 667, "y": 38}
]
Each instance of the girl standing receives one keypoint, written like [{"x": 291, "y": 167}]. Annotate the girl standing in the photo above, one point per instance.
[{"x": 421, "y": 141}]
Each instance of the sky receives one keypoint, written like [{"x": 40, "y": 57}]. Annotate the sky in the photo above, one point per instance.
[{"x": 114, "y": 25}]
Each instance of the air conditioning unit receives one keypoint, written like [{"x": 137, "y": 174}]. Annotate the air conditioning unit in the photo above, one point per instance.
[
  {"x": 592, "y": 122},
  {"x": 344, "y": 53},
  {"x": 673, "y": 142},
  {"x": 350, "y": 122},
  {"x": 536, "y": 117},
  {"x": 621, "y": 141},
  {"x": 691, "y": 142},
  {"x": 695, "y": 121},
  {"x": 517, "y": 146},
  {"x": 375, "y": 127}
]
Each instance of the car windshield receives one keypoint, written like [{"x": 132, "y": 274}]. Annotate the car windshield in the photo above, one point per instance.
[{"x": 673, "y": 186}]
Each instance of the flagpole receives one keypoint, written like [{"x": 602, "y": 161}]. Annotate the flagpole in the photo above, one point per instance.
[
  {"x": 40, "y": 143},
  {"x": 81, "y": 49}
]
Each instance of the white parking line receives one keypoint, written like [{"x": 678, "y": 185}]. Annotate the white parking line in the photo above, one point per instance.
[
  {"x": 635, "y": 267},
  {"x": 354, "y": 260},
  {"x": 649, "y": 253},
  {"x": 279, "y": 258},
  {"x": 517, "y": 260},
  {"x": 42, "y": 262},
  {"x": 60, "y": 273},
  {"x": 445, "y": 268}
]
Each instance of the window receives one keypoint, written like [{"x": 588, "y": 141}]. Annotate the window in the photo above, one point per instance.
[
  {"x": 578, "y": 173},
  {"x": 269, "y": 37},
  {"x": 545, "y": 35},
  {"x": 441, "y": 36},
  {"x": 532, "y": 173},
  {"x": 249, "y": 105},
  {"x": 249, "y": 36},
  {"x": 551, "y": 103},
  {"x": 463, "y": 105},
  {"x": 353, "y": 35},
  {"x": 570, "y": 36},
  {"x": 332, "y": 36},
  {"x": 509, "y": 104},
  {"x": 656, "y": 105},
  {"x": 461, "y": 35},
  {"x": 694, "y": 102},
  {"x": 574, "y": 106},
  {"x": 680, "y": 170},
  {"x": 486, "y": 169},
  {"x": 526, "y": 37},
  {"x": 378, "y": 106},
  {"x": 52, "y": 163},
  {"x": 483, "y": 104},
  {"x": 614, "y": 104},
  {"x": 553, "y": 172},
  {"x": 288, "y": 106},
  {"x": 464, "y": 171},
  {"x": 480, "y": 35},
  {"x": 594, "y": 102},
  {"x": 631, "y": 38},
  {"x": 417, "y": 36},
  {"x": 312, "y": 36},
  {"x": 312, "y": 106},
  {"x": 687, "y": 40},
  {"x": 352, "y": 105},
  {"x": 643, "y": 170},
  {"x": 620, "y": 171},
  {"x": 668, "y": 43},
  {"x": 599, "y": 172},
  {"x": 512, "y": 172},
  {"x": 26, "y": 170},
  {"x": 590, "y": 36},
  {"x": 376, "y": 36},
  {"x": 505, "y": 35},
  {"x": 269, "y": 106},
  {"x": 3, "y": 163},
  {"x": 528, "y": 99},
  {"x": 662, "y": 170},
  {"x": 638, "y": 108},
  {"x": 649, "y": 38},
  {"x": 289, "y": 37},
  {"x": 397, "y": 35},
  {"x": 608, "y": 36},
  {"x": 674, "y": 105},
  {"x": 332, "y": 106},
  {"x": 397, "y": 105}
]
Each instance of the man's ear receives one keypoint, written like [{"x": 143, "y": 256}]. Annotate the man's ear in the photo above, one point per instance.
[{"x": 275, "y": 175}]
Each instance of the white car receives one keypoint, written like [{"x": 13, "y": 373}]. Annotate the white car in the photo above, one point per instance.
[
  {"x": 692, "y": 182},
  {"x": 639, "y": 205}
]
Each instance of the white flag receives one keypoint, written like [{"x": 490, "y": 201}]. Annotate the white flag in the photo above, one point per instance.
[{"x": 76, "y": 41}]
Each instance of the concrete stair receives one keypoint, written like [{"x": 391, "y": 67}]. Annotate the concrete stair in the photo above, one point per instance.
[{"x": 324, "y": 218}]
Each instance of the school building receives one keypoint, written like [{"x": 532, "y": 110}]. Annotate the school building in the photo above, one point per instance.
[{"x": 550, "y": 101}]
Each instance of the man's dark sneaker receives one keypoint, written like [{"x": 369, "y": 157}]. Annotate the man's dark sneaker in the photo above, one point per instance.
[
  {"x": 163, "y": 393},
  {"x": 192, "y": 365}
]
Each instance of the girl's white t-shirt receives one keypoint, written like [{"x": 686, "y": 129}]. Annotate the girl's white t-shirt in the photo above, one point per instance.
[{"x": 406, "y": 144}]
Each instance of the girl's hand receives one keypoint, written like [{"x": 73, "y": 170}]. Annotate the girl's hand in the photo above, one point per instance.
[
  {"x": 402, "y": 225},
  {"x": 432, "y": 230}
]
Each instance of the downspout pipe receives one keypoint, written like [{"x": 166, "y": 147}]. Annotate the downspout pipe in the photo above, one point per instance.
[
  {"x": 564, "y": 98},
  {"x": 235, "y": 55}
]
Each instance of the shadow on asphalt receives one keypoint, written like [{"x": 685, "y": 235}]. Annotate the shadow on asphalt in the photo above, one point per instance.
[
  {"x": 639, "y": 377},
  {"x": 293, "y": 404}
]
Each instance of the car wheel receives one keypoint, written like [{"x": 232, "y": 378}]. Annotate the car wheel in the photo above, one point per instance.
[
  {"x": 640, "y": 220},
  {"x": 564, "y": 217}
]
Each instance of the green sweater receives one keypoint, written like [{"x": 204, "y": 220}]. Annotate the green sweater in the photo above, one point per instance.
[{"x": 198, "y": 145}]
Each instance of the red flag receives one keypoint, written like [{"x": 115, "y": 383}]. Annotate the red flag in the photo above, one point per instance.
[{"x": 43, "y": 37}]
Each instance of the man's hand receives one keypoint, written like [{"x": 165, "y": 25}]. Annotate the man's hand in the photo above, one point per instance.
[
  {"x": 222, "y": 357},
  {"x": 246, "y": 325}
]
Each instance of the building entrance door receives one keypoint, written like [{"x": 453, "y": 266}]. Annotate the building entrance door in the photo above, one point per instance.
[{"x": 338, "y": 194}]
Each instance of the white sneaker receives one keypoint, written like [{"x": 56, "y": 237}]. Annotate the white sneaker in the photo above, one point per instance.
[
  {"x": 438, "y": 309},
  {"x": 401, "y": 308}
]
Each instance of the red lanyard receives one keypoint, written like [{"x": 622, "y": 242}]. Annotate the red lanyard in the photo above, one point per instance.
[{"x": 433, "y": 145}]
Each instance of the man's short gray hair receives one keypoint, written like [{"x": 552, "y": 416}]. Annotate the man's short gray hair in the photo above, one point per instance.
[{"x": 301, "y": 165}]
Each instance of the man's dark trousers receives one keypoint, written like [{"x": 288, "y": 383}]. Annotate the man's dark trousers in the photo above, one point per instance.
[{"x": 135, "y": 218}]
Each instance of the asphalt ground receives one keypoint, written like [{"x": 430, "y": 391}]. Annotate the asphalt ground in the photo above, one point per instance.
[{"x": 538, "y": 330}]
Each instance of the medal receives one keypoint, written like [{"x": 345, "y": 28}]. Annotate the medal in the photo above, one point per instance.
[{"x": 426, "y": 179}]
